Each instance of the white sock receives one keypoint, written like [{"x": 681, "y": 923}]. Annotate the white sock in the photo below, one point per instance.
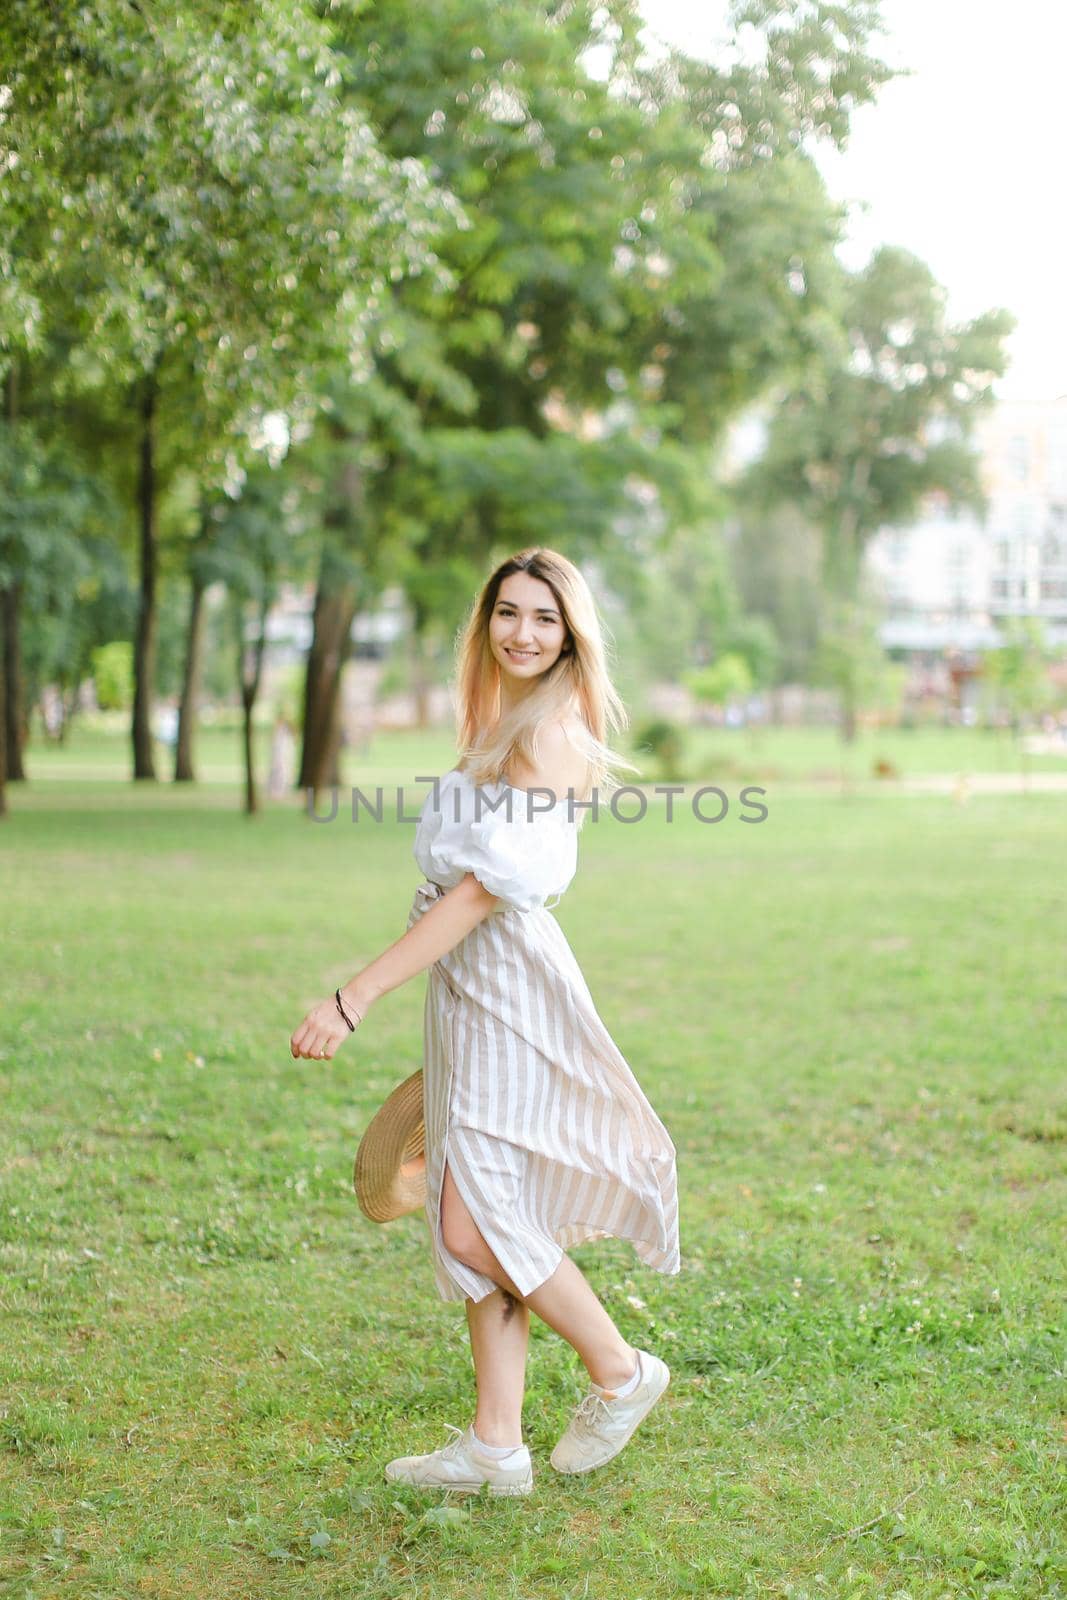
[
  {"x": 497, "y": 1450},
  {"x": 626, "y": 1388}
]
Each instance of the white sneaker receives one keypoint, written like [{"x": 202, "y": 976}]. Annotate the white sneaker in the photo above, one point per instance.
[
  {"x": 604, "y": 1422},
  {"x": 462, "y": 1467}
]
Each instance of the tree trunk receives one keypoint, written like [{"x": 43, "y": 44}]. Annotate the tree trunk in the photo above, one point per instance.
[
  {"x": 251, "y": 800},
  {"x": 844, "y": 561},
  {"x": 3, "y": 725},
  {"x": 13, "y": 688},
  {"x": 69, "y": 704},
  {"x": 250, "y": 693},
  {"x": 420, "y": 682},
  {"x": 190, "y": 700},
  {"x": 7, "y": 741},
  {"x": 848, "y": 714},
  {"x": 779, "y": 703},
  {"x": 144, "y": 660},
  {"x": 335, "y": 609}
]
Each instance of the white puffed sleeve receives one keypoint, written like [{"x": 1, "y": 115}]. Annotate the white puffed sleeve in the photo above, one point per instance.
[
  {"x": 520, "y": 854},
  {"x": 523, "y": 860}
]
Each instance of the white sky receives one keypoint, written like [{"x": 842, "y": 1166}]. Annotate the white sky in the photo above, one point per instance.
[{"x": 961, "y": 163}]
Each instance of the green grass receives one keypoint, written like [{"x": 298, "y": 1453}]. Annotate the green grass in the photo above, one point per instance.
[
  {"x": 814, "y": 754},
  {"x": 98, "y": 750},
  {"x": 851, "y": 1018}
]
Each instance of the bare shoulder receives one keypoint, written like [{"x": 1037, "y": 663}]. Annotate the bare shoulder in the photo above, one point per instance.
[{"x": 563, "y": 763}]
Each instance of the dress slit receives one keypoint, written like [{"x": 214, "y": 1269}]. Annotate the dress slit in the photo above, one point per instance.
[{"x": 473, "y": 1282}]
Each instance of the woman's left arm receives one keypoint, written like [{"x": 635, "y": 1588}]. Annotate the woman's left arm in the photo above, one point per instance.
[{"x": 437, "y": 931}]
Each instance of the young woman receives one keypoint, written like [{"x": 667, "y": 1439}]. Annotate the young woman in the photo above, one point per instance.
[{"x": 538, "y": 1135}]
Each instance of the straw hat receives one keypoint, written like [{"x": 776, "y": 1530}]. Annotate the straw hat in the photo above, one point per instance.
[{"x": 390, "y": 1171}]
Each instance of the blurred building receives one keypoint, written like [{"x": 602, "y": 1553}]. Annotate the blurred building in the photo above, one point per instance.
[
  {"x": 289, "y": 631},
  {"x": 949, "y": 581}
]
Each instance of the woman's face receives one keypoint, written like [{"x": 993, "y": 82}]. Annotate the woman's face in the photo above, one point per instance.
[{"x": 526, "y": 631}]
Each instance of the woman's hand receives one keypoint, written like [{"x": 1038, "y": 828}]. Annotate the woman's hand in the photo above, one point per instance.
[{"x": 321, "y": 1032}]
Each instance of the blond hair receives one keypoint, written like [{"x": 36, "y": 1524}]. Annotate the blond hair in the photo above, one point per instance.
[{"x": 577, "y": 682}]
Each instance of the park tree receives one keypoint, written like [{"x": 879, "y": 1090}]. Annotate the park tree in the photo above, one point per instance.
[
  {"x": 792, "y": 74},
  {"x": 53, "y": 510},
  {"x": 1016, "y": 680},
  {"x": 883, "y": 418},
  {"x": 452, "y": 445},
  {"x": 631, "y": 254},
  {"x": 333, "y": 469},
  {"x": 85, "y": 604},
  {"x": 646, "y": 245},
  {"x": 5, "y": 576},
  {"x": 250, "y": 555},
  {"x": 849, "y": 658},
  {"x": 775, "y": 557},
  {"x": 728, "y": 677},
  {"x": 198, "y": 569},
  {"x": 215, "y": 215}
]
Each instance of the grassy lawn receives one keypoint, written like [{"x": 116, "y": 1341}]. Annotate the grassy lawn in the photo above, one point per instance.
[
  {"x": 99, "y": 751},
  {"x": 852, "y": 1018}
]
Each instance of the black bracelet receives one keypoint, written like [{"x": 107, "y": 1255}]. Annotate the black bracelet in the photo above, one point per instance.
[{"x": 344, "y": 1013}]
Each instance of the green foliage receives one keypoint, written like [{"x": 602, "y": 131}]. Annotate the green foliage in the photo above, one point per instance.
[
  {"x": 665, "y": 740},
  {"x": 172, "y": 633},
  {"x": 57, "y": 550},
  {"x": 775, "y": 560},
  {"x": 289, "y": 695},
  {"x": 650, "y": 246},
  {"x": 753, "y": 641},
  {"x": 112, "y": 667},
  {"x": 238, "y": 206},
  {"x": 881, "y": 419},
  {"x": 46, "y": 495},
  {"x": 885, "y": 416},
  {"x": 218, "y": 682},
  {"x": 500, "y": 299},
  {"x": 677, "y": 599},
  {"x": 850, "y": 657},
  {"x": 728, "y": 678},
  {"x": 1015, "y": 675},
  {"x": 199, "y": 217}
]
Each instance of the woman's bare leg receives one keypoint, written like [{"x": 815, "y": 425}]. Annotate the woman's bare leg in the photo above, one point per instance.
[
  {"x": 569, "y": 1305},
  {"x": 499, "y": 1329},
  {"x": 498, "y": 1324},
  {"x": 566, "y": 1302}
]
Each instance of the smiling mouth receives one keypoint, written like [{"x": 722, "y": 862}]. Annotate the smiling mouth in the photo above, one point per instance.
[{"x": 522, "y": 655}]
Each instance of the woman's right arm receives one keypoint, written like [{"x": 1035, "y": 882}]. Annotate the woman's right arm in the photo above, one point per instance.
[{"x": 437, "y": 931}]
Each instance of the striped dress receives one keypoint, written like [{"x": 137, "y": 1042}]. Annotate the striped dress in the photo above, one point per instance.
[{"x": 547, "y": 1133}]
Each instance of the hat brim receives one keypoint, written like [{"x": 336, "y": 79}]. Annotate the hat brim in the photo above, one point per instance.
[{"x": 389, "y": 1175}]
